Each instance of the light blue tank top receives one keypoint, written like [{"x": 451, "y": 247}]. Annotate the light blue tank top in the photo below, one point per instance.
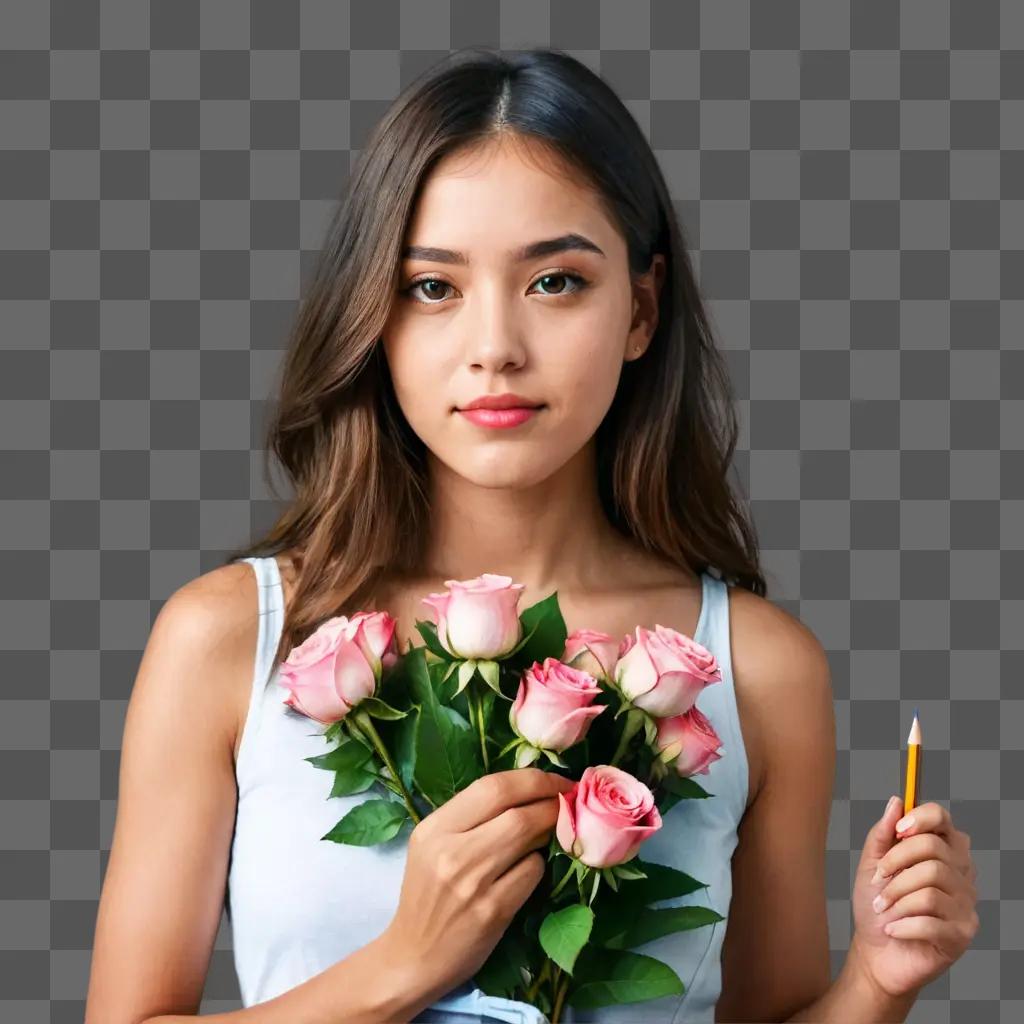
[{"x": 298, "y": 904}]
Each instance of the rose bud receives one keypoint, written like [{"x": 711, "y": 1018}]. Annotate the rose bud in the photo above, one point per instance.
[
  {"x": 605, "y": 817},
  {"x": 688, "y": 742},
  {"x": 662, "y": 671},
  {"x": 592, "y": 651},
  {"x": 554, "y": 705},
  {"x": 380, "y": 636},
  {"x": 478, "y": 618}
]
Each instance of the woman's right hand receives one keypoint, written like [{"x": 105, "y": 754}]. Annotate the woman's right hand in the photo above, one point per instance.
[{"x": 471, "y": 865}]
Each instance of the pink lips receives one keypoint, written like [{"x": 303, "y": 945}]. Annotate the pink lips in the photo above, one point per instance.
[{"x": 500, "y": 417}]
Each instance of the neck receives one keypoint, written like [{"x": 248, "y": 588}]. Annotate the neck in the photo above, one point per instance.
[{"x": 552, "y": 534}]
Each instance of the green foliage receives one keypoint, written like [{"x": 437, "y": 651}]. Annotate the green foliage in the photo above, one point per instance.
[
  {"x": 447, "y": 749},
  {"x": 565, "y": 932},
  {"x": 608, "y": 977},
  {"x": 369, "y": 823}
]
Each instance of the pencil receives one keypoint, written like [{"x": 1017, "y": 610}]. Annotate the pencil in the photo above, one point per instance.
[{"x": 912, "y": 786}]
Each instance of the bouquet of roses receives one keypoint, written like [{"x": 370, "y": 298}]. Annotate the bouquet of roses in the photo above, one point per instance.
[{"x": 492, "y": 689}]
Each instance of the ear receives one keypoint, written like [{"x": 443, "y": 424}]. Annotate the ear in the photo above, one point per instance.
[{"x": 646, "y": 291}]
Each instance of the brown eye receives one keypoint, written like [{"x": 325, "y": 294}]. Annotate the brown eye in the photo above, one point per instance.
[
  {"x": 579, "y": 285},
  {"x": 433, "y": 293}
]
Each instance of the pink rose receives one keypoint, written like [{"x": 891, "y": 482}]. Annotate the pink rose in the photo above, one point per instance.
[
  {"x": 381, "y": 640},
  {"x": 478, "y": 618},
  {"x": 605, "y": 817},
  {"x": 593, "y": 652},
  {"x": 337, "y": 665},
  {"x": 688, "y": 742},
  {"x": 554, "y": 705},
  {"x": 662, "y": 671}
]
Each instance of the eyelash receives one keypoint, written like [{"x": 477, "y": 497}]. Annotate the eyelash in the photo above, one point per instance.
[{"x": 581, "y": 283}]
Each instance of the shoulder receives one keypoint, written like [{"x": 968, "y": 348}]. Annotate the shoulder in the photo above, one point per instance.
[
  {"x": 778, "y": 663},
  {"x": 215, "y": 609},
  {"x": 215, "y": 618}
]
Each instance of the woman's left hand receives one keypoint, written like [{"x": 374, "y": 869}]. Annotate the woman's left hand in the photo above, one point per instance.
[{"x": 930, "y": 899}]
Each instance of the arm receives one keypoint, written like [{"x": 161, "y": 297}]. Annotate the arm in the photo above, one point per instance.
[
  {"x": 163, "y": 889},
  {"x": 369, "y": 987},
  {"x": 854, "y": 999},
  {"x": 775, "y": 955}
]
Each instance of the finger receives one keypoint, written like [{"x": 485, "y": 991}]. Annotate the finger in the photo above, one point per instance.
[
  {"x": 930, "y": 817},
  {"x": 949, "y": 937},
  {"x": 929, "y": 901},
  {"x": 929, "y": 873},
  {"x": 927, "y": 846},
  {"x": 515, "y": 832},
  {"x": 882, "y": 836},
  {"x": 511, "y": 889},
  {"x": 491, "y": 794}
]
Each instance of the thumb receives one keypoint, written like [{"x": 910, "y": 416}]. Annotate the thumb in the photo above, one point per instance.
[{"x": 882, "y": 836}]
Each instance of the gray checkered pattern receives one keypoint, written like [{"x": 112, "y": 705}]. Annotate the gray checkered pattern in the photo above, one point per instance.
[{"x": 851, "y": 173}]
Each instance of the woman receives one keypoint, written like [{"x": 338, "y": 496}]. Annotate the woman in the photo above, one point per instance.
[{"x": 507, "y": 232}]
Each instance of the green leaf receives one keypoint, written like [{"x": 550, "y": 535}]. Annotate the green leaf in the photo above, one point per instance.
[
  {"x": 662, "y": 883},
  {"x": 428, "y": 630},
  {"x": 684, "y": 786},
  {"x": 447, "y": 748},
  {"x": 346, "y": 757},
  {"x": 651, "y": 924},
  {"x": 487, "y": 699},
  {"x": 608, "y": 977},
  {"x": 376, "y": 708},
  {"x": 545, "y": 632},
  {"x": 403, "y": 748},
  {"x": 564, "y": 933},
  {"x": 350, "y": 782},
  {"x": 369, "y": 823}
]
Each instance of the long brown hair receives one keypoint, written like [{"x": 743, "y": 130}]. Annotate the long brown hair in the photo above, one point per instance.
[{"x": 360, "y": 509}]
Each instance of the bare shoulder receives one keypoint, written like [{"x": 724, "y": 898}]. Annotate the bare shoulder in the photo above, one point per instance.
[
  {"x": 775, "y": 658},
  {"x": 216, "y": 614}
]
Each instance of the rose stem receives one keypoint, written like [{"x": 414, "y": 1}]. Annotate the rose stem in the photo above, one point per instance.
[
  {"x": 366, "y": 724},
  {"x": 531, "y": 992},
  {"x": 560, "y": 994},
  {"x": 629, "y": 730},
  {"x": 565, "y": 878},
  {"x": 476, "y": 712}
]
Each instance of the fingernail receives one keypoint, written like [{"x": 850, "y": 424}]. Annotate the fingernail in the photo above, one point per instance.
[
  {"x": 879, "y": 903},
  {"x": 878, "y": 876},
  {"x": 904, "y": 823},
  {"x": 891, "y": 805}
]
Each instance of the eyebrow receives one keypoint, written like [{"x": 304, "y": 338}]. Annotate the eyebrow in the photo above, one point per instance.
[{"x": 532, "y": 251}]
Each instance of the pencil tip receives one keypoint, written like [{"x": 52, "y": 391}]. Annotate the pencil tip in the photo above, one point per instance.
[{"x": 915, "y": 730}]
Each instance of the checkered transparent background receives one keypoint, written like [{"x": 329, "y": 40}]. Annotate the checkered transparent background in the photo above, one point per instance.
[{"x": 851, "y": 175}]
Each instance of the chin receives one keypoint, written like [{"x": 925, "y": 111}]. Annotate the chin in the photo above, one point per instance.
[{"x": 498, "y": 473}]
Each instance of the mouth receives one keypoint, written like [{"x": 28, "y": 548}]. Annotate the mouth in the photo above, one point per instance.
[{"x": 501, "y": 418}]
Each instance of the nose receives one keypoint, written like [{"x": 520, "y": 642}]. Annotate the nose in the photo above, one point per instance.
[{"x": 494, "y": 332}]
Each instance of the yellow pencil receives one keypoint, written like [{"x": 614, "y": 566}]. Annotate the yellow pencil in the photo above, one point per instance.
[{"x": 913, "y": 783}]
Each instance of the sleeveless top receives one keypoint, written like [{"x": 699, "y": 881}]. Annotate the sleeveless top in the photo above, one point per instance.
[{"x": 298, "y": 904}]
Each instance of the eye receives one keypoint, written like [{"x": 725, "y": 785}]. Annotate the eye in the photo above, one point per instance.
[{"x": 579, "y": 283}]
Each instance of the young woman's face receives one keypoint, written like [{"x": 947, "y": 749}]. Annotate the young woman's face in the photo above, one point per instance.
[{"x": 553, "y": 327}]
